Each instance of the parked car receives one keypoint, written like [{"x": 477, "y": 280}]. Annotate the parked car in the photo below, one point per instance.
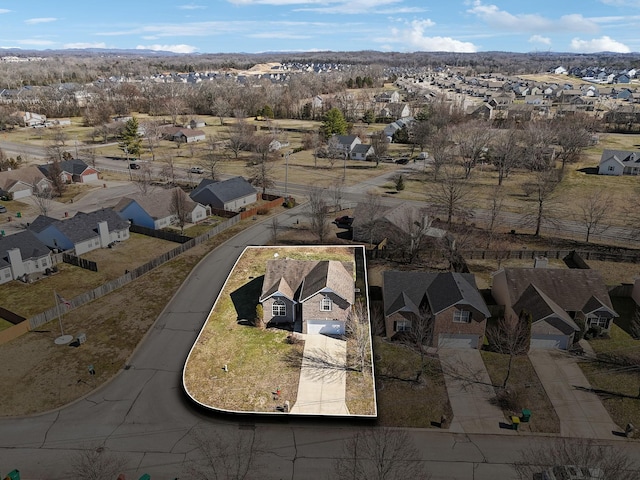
[
  {"x": 196, "y": 170},
  {"x": 345, "y": 221},
  {"x": 402, "y": 161},
  {"x": 3, "y": 209},
  {"x": 134, "y": 166}
]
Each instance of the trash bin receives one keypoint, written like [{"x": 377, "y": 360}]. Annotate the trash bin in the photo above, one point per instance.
[
  {"x": 19, "y": 214},
  {"x": 515, "y": 421},
  {"x": 13, "y": 475},
  {"x": 526, "y": 415}
]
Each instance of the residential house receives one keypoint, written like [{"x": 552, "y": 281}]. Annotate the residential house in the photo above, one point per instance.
[
  {"x": 30, "y": 119},
  {"x": 196, "y": 123},
  {"x": 232, "y": 195},
  {"x": 73, "y": 171},
  {"x": 395, "y": 110},
  {"x": 155, "y": 209},
  {"x": 344, "y": 143},
  {"x": 362, "y": 151},
  {"x": 398, "y": 225},
  {"x": 450, "y": 303},
  {"x": 183, "y": 135},
  {"x": 619, "y": 162},
  {"x": 22, "y": 182},
  {"x": 557, "y": 299},
  {"x": 393, "y": 127},
  {"x": 314, "y": 297},
  {"x": 388, "y": 97},
  {"x": 22, "y": 254},
  {"x": 83, "y": 232}
]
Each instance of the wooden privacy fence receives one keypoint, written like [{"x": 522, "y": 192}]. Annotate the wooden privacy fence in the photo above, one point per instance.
[
  {"x": 163, "y": 234},
  {"x": 624, "y": 256},
  {"x": 84, "y": 298},
  {"x": 80, "y": 262}
]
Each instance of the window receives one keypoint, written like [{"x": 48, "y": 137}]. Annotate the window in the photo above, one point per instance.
[
  {"x": 403, "y": 326},
  {"x": 279, "y": 309},
  {"x": 325, "y": 304},
  {"x": 462, "y": 316},
  {"x": 602, "y": 322},
  {"x": 611, "y": 168}
]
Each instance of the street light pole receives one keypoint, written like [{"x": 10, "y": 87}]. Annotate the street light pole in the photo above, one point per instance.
[{"x": 286, "y": 174}]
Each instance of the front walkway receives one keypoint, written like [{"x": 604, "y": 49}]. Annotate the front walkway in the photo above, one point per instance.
[
  {"x": 580, "y": 411},
  {"x": 323, "y": 379},
  {"x": 470, "y": 393}
]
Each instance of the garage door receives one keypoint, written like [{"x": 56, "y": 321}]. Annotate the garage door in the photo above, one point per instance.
[
  {"x": 549, "y": 341},
  {"x": 92, "y": 177},
  {"x": 327, "y": 327},
  {"x": 21, "y": 193},
  {"x": 452, "y": 340}
]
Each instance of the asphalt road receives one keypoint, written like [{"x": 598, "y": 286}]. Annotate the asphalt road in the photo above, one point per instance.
[{"x": 142, "y": 415}]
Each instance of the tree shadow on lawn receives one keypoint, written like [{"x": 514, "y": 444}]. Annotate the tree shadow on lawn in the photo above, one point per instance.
[{"x": 245, "y": 299}]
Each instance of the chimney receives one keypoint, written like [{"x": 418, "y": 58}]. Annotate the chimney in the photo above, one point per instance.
[
  {"x": 103, "y": 231},
  {"x": 540, "y": 262},
  {"x": 17, "y": 266}
]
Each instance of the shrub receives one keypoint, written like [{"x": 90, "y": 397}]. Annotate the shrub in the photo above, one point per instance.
[
  {"x": 262, "y": 211},
  {"x": 512, "y": 399},
  {"x": 259, "y": 316}
]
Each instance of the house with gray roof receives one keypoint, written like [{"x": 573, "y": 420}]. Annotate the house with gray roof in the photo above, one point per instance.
[
  {"x": 22, "y": 182},
  {"x": 450, "y": 304},
  {"x": 619, "y": 162},
  {"x": 559, "y": 301},
  {"x": 155, "y": 209},
  {"x": 73, "y": 171},
  {"x": 231, "y": 195},
  {"x": 83, "y": 232},
  {"x": 22, "y": 254},
  {"x": 313, "y": 297}
]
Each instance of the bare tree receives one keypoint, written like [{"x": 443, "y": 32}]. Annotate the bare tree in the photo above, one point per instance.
[
  {"x": 593, "y": 210},
  {"x": 168, "y": 170},
  {"x": 369, "y": 212},
  {"x": 240, "y": 134},
  {"x": 538, "y": 153},
  {"x": 419, "y": 336},
  {"x": 212, "y": 158},
  {"x": 96, "y": 463},
  {"x": 226, "y": 454},
  {"x": 42, "y": 197},
  {"x": 503, "y": 153},
  {"x": 543, "y": 191},
  {"x": 357, "y": 329},
  {"x": 564, "y": 455},
  {"x": 573, "y": 134},
  {"x": 495, "y": 210},
  {"x": 510, "y": 337},
  {"x": 180, "y": 207},
  {"x": 55, "y": 176},
  {"x": 379, "y": 454},
  {"x": 318, "y": 214},
  {"x": 380, "y": 146},
  {"x": 441, "y": 148},
  {"x": 335, "y": 191},
  {"x": 152, "y": 131},
  {"x": 473, "y": 141},
  {"x": 451, "y": 196},
  {"x": 275, "y": 228},
  {"x": 142, "y": 180},
  {"x": 414, "y": 224},
  {"x": 261, "y": 168}
]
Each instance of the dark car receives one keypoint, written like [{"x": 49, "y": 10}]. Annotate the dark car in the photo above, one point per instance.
[
  {"x": 345, "y": 221},
  {"x": 402, "y": 161},
  {"x": 134, "y": 166}
]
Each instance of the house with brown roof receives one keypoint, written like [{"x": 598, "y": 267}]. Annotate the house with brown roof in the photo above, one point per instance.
[
  {"x": 22, "y": 182},
  {"x": 450, "y": 304},
  {"x": 558, "y": 300},
  {"x": 155, "y": 210},
  {"x": 313, "y": 297}
]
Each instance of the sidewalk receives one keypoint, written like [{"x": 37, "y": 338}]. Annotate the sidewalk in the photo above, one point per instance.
[{"x": 322, "y": 386}]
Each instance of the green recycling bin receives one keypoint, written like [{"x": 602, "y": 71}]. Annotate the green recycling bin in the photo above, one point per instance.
[
  {"x": 19, "y": 214},
  {"x": 526, "y": 415},
  {"x": 13, "y": 475}
]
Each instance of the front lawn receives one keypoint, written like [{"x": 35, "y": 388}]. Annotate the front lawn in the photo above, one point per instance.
[
  {"x": 616, "y": 374},
  {"x": 403, "y": 402},
  {"x": 526, "y": 391}
]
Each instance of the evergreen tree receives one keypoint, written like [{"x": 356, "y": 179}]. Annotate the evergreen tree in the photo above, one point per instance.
[
  {"x": 334, "y": 123},
  {"x": 130, "y": 140}
]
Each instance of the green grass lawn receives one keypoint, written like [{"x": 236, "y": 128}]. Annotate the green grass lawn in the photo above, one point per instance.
[
  {"x": 401, "y": 401},
  {"x": 617, "y": 375},
  {"x": 527, "y": 391}
]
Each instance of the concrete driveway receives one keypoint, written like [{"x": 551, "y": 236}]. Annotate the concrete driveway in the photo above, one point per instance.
[
  {"x": 581, "y": 412},
  {"x": 470, "y": 392},
  {"x": 323, "y": 377}
]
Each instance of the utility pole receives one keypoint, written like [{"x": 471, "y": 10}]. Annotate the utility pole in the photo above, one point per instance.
[{"x": 286, "y": 174}]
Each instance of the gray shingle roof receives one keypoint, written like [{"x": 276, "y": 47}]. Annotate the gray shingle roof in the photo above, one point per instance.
[
  {"x": 225, "y": 191},
  {"x": 624, "y": 156},
  {"x": 408, "y": 290},
  {"x": 26, "y": 241},
  {"x": 75, "y": 166},
  {"x": 157, "y": 204},
  {"x": 82, "y": 226}
]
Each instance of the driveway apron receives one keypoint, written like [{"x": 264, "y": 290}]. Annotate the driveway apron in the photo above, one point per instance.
[
  {"x": 470, "y": 393},
  {"x": 322, "y": 386},
  {"x": 581, "y": 412}
]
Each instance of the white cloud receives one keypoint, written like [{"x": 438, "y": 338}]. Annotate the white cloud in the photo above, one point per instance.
[
  {"x": 602, "y": 44},
  {"x": 280, "y": 35},
  {"x": 182, "y": 48},
  {"x": 35, "y": 41},
  {"x": 622, "y": 3},
  {"x": 85, "y": 45},
  {"x": 192, "y": 7},
  {"x": 344, "y": 7},
  {"x": 540, "y": 39},
  {"x": 530, "y": 22},
  {"x": 413, "y": 38},
  {"x": 34, "y": 21},
  {"x": 4, "y": 10}
]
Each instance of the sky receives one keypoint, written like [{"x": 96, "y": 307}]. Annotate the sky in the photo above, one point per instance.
[{"x": 254, "y": 26}]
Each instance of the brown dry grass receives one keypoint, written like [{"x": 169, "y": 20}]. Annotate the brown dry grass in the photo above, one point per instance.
[
  {"x": 530, "y": 392},
  {"x": 258, "y": 360},
  {"x": 39, "y": 376},
  {"x": 28, "y": 300}
]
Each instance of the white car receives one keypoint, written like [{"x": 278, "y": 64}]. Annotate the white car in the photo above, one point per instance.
[{"x": 196, "y": 170}]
